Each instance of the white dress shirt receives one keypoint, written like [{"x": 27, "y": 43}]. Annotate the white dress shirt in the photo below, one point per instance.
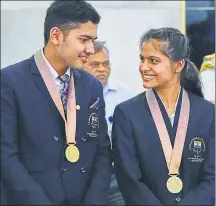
[
  {"x": 114, "y": 94},
  {"x": 55, "y": 75}
]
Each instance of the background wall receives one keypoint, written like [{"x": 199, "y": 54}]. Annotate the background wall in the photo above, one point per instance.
[{"x": 122, "y": 24}]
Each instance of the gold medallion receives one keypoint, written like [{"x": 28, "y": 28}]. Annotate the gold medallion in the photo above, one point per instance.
[
  {"x": 174, "y": 184},
  {"x": 72, "y": 153}
]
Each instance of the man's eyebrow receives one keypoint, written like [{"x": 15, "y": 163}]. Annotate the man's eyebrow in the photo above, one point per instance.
[
  {"x": 94, "y": 62},
  {"x": 154, "y": 57},
  {"x": 88, "y": 37}
]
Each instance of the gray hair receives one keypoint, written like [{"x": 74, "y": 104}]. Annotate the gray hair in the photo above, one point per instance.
[{"x": 100, "y": 45}]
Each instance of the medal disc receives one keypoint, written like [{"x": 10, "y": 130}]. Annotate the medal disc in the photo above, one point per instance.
[
  {"x": 174, "y": 184},
  {"x": 72, "y": 153}
]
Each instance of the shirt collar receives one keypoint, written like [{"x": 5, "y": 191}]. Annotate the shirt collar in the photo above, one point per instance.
[
  {"x": 52, "y": 70},
  {"x": 109, "y": 86}
]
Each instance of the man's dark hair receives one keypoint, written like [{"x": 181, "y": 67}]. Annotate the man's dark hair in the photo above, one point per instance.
[
  {"x": 68, "y": 15},
  {"x": 100, "y": 45}
]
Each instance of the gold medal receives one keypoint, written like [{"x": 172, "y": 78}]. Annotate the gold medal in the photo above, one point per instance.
[
  {"x": 174, "y": 184},
  {"x": 72, "y": 153}
]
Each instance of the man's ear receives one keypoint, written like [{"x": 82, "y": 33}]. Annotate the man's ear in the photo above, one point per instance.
[{"x": 55, "y": 35}]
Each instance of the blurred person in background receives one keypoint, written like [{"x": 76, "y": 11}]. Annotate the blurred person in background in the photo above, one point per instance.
[
  {"x": 53, "y": 149},
  {"x": 202, "y": 38},
  {"x": 114, "y": 93},
  {"x": 207, "y": 73},
  {"x": 164, "y": 138}
]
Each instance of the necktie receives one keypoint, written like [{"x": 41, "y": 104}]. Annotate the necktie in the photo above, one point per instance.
[{"x": 64, "y": 92}]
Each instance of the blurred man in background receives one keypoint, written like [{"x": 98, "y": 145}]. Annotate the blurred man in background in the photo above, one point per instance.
[
  {"x": 114, "y": 93},
  {"x": 207, "y": 73}
]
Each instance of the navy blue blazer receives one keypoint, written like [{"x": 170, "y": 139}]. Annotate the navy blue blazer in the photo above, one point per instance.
[
  {"x": 140, "y": 165},
  {"x": 34, "y": 169}
]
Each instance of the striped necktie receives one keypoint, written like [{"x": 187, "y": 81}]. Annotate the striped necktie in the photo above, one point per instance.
[{"x": 64, "y": 92}]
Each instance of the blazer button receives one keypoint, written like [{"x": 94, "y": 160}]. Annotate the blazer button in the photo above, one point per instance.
[
  {"x": 63, "y": 169},
  {"x": 178, "y": 199},
  {"x": 56, "y": 138},
  {"x": 82, "y": 169},
  {"x": 83, "y": 139}
]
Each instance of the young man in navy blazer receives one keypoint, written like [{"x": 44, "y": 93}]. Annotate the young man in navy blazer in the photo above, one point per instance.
[{"x": 34, "y": 169}]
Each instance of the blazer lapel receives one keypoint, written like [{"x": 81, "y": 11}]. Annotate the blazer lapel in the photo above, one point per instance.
[
  {"x": 41, "y": 85},
  {"x": 171, "y": 129},
  {"x": 81, "y": 98},
  {"x": 152, "y": 134},
  {"x": 186, "y": 165}
]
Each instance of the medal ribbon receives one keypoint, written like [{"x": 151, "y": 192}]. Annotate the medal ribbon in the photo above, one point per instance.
[
  {"x": 70, "y": 123},
  {"x": 173, "y": 156}
]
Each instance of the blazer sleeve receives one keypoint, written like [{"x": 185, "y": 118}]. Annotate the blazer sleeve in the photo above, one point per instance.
[
  {"x": 14, "y": 175},
  {"x": 204, "y": 192},
  {"x": 126, "y": 163},
  {"x": 98, "y": 189}
]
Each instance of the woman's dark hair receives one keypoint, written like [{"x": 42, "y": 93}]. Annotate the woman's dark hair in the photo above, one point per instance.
[
  {"x": 68, "y": 15},
  {"x": 175, "y": 45}
]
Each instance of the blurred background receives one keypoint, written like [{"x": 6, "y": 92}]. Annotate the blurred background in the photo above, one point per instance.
[{"x": 121, "y": 26}]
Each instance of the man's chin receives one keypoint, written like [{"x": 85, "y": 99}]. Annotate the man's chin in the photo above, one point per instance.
[{"x": 79, "y": 65}]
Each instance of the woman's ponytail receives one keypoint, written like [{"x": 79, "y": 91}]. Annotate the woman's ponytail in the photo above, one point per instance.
[{"x": 190, "y": 79}]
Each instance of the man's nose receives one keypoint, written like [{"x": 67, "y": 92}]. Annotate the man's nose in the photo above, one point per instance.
[{"x": 90, "y": 48}]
